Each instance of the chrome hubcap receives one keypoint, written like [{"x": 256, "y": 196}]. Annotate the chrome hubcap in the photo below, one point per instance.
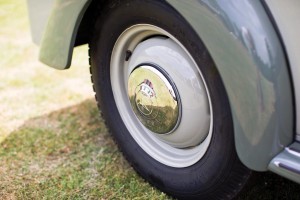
[{"x": 154, "y": 98}]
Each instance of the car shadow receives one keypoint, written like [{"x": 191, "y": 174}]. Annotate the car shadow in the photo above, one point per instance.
[
  {"x": 65, "y": 152},
  {"x": 269, "y": 186},
  {"x": 47, "y": 150}
]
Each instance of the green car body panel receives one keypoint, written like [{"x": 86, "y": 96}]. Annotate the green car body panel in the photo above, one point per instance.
[
  {"x": 59, "y": 37},
  {"x": 247, "y": 52}
]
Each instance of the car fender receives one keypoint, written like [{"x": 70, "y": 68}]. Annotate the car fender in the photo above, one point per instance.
[
  {"x": 249, "y": 57},
  {"x": 59, "y": 36}
]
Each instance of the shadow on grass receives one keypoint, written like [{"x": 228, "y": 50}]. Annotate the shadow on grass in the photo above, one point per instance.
[
  {"x": 269, "y": 186},
  {"x": 68, "y": 154}
]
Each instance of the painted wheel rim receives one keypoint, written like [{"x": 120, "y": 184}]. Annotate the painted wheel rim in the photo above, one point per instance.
[{"x": 161, "y": 95}]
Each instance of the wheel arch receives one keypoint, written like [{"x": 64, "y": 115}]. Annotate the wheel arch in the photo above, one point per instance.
[
  {"x": 249, "y": 57},
  {"x": 69, "y": 25}
]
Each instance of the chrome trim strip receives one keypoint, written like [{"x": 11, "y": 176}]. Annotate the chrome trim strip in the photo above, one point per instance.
[
  {"x": 287, "y": 163},
  {"x": 287, "y": 167}
]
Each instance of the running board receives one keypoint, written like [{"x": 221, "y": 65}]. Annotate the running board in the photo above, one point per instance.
[{"x": 287, "y": 163}]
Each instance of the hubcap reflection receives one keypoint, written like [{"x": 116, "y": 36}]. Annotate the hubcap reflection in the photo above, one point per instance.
[{"x": 154, "y": 99}]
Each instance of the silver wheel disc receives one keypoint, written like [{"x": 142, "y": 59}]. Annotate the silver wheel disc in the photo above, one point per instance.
[{"x": 161, "y": 95}]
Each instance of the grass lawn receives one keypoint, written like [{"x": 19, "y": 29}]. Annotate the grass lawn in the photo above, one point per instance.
[{"x": 53, "y": 144}]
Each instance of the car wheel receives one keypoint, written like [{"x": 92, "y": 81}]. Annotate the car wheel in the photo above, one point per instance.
[{"x": 163, "y": 100}]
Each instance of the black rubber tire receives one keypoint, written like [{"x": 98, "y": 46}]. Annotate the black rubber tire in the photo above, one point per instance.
[{"x": 219, "y": 174}]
